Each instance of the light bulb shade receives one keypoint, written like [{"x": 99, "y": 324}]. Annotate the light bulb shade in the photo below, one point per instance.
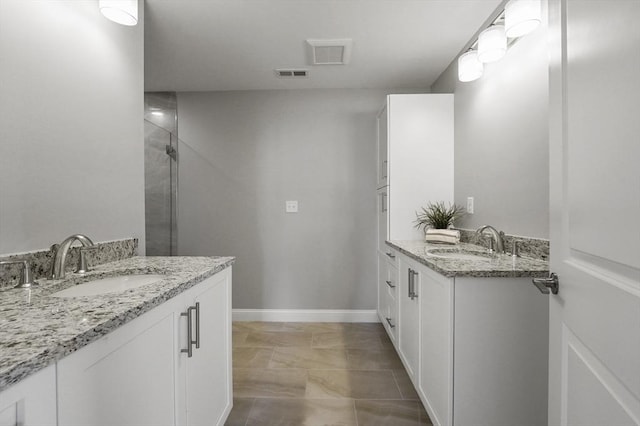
[
  {"x": 469, "y": 67},
  {"x": 492, "y": 44},
  {"x": 123, "y": 12},
  {"x": 521, "y": 17}
]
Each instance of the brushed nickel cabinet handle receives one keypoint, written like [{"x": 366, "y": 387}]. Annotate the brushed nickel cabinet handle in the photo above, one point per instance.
[
  {"x": 197, "y": 341},
  {"x": 389, "y": 322},
  {"x": 189, "y": 350},
  {"x": 389, "y": 284}
]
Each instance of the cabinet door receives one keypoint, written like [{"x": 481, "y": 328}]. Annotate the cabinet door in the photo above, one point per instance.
[
  {"x": 387, "y": 295},
  {"x": 382, "y": 148},
  {"x": 124, "y": 378},
  {"x": 32, "y": 402},
  {"x": 436, "y": 346},
  {"x": 409, "y": 334},
  {"x": 208, "y": 371}
]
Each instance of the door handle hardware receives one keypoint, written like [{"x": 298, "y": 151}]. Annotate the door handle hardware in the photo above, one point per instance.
[
  {"x": 190, "y": 341},
  {"x": 389, "y": 322},
  {"x": 384, "y": 203},
  {"x": 547, "y": 285},
  {"x": 389, "y": 284},
  {"x": 409, "y": 281},
  {"x": 391, "y": 255},
  {"x": 413, "y": 293},
  {"x": 189, "y": 350},
  {"x": 197, "y": 341}
]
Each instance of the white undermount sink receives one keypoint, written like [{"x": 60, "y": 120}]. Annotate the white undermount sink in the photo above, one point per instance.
[
  {"x": 109, "y": 285},
  {"x": 459, "y": 254}
]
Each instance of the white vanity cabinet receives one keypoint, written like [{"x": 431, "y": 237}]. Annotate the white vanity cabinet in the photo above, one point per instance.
[
  {"x": 205, "y": 378},
  {"x": 475, "y": 348},
  {"x": 31, "y": 402},
  {"x": 126, "y": 377},
  {"x": 141, "y": 373}
]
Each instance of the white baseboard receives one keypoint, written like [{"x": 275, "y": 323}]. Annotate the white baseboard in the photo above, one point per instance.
[{"x": 305, "y": 315}]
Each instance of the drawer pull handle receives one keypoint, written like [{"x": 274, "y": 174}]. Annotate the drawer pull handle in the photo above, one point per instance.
[
  {"x": 391, "y": 255},
  {"x": 389, "y": 284},
  {"x": 189, "y": 350},
  {"x": 389, "y": 322}
]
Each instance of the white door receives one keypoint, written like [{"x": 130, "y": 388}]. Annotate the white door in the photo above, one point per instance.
[{"x": 594, "y": 362}]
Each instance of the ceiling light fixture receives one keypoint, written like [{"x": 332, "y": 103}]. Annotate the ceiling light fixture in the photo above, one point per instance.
[
  {"x": 492, "y": 44},
  {"x": 123, "y": 12},
  {"x": 469, "y": 67},
  {"x": 521, "y": 17}
]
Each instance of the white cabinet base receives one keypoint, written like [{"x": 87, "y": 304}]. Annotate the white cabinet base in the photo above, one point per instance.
[
  {"x": 31, "y": 402},
  {"x": 126, "y": 377}
]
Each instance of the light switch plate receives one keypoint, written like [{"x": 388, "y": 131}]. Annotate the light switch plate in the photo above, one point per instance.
[{"x": 291, "y": 206}]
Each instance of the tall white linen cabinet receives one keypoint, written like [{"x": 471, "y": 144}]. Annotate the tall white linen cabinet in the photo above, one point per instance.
[{"x": 415, "y": 167}]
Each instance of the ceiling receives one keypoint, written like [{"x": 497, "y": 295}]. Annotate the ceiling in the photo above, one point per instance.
[{"x": 206, "y": 45}]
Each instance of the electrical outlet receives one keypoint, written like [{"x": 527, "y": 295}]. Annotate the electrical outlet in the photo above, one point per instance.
[
  {"x": 291, "y": 206},
  {"x": 469, "y": 205}
]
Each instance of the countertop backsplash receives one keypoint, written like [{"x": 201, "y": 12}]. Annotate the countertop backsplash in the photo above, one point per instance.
[
  {"x": 535, "y": 248},
  {"x": 41, "y": 260}
]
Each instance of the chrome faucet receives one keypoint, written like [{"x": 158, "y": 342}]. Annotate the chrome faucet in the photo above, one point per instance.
[
  {"x": 57, "y": 271},
  {"x": 495, "y": 234}
]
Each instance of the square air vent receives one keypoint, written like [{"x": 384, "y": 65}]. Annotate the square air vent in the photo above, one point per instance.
[
  {"x": 291, "y": 73},
  {"x": 329, "y": 52}
]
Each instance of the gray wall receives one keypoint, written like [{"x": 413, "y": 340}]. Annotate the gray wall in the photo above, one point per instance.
[
  {"x": 71, "y": 125},
  {"x": 501, "y": 139},
  {"x": 243, "y": 154}
]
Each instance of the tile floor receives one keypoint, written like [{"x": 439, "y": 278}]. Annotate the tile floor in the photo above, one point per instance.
[{"x": 308, "y": 374}]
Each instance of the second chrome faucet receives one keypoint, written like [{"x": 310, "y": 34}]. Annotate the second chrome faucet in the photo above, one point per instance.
[{"x": 60, "y": 258}]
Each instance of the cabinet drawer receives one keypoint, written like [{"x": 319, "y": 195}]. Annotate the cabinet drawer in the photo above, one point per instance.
[
  {"x": 391, "y": 256},
  {"x": 391, "y": 281},
  {"x": 390, "y": 319}
]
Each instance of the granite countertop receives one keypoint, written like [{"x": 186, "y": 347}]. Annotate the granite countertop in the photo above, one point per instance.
[
  {"x": 493, "y": 265},
  {"x": 37, "y": 329}
]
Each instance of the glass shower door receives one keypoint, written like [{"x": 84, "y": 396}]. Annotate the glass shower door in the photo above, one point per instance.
[{"x": 160, "y": 167}]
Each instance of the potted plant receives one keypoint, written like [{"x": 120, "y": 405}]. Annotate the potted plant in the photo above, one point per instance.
[{"x": 438, "y": 216}]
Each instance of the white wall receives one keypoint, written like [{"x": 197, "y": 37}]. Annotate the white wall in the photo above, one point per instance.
[
  {"x": 242, "y": 154},
  {"x": 71, "y": 125},
  {"x": 501, "y": 139}
]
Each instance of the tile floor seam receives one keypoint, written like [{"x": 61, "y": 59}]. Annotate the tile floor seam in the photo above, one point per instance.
[
  {"x": 355, "y": 412},
  {"x": 397, "y": 384},
  {"x": 249, "y": 414},
  {"x": 273, "y": 350}
]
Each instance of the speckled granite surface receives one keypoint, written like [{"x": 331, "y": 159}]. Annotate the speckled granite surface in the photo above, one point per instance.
[
  {"x": 37, "y": 329},
  {"x": 536, "y": 248},
  {"x": 41, "y": 260},
  {"x": 487, "y": 266}
]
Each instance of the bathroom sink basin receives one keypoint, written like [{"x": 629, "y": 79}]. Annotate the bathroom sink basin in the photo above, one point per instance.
[
  {"x": 459, "y": 254},
  {"x": 109, "y": 285}
]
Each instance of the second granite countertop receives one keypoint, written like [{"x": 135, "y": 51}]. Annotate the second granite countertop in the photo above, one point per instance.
[
  {"x": 37, "y": 329},
  {"x": 493, "y": 265}
]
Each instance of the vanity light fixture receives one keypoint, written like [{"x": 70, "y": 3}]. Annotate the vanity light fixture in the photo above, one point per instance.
[
  {"x": 123, "y": 12},
  {"x": 501, "y": 30},
  {"x": 469, "y": 67},
  {"x": 521, "y": 17},
  {"x": 492, "y": 44}
]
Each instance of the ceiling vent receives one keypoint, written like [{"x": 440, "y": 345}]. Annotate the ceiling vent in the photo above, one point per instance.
[
  {"x": 329, "y": 52},
  {"x": 291, "y": 73}
]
